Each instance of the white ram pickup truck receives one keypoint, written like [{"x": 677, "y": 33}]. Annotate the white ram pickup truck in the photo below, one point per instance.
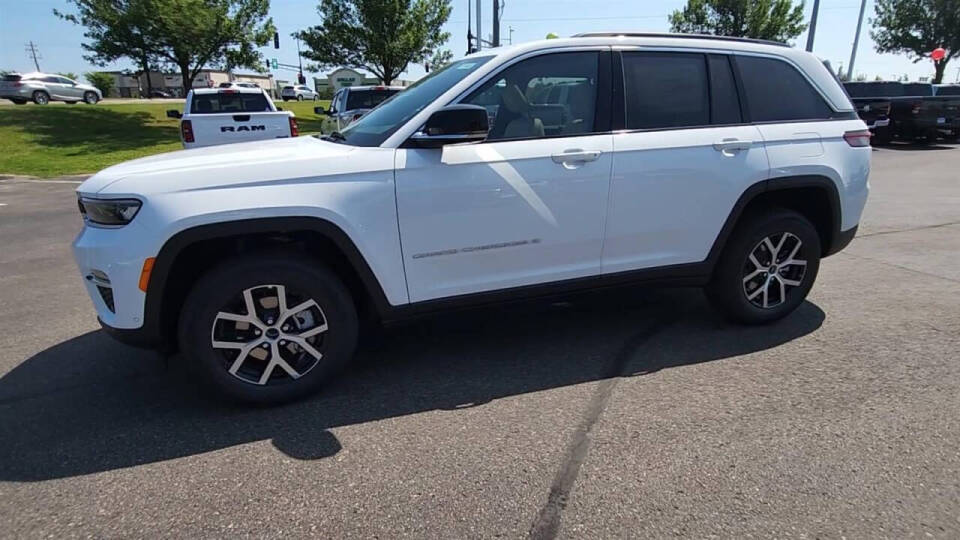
[
  {"x": 213, "y": 116},
  {"x": 539, "y": 169}
]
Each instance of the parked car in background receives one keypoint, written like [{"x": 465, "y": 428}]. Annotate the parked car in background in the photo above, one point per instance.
[
  {"x": 905, "y": 111},
  {"x": 952, "y": 107},
  {"x": 215, "y": 116},
  {"x": 731, "y": 164},
  {"x": 299, "y": 92},
  {"x": 352, "y": 102},
  {"x": 160, "y": 94},
  {"x": 42, "y": 88}
]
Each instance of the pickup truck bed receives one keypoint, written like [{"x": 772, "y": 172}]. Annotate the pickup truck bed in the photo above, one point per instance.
[{"x": 215, "y": 116}]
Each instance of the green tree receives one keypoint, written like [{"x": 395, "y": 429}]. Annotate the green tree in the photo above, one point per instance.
[
  {"x": 777, "y": 20},
  {"x": 192, "y": 34},
  {"x": 439, "y": 59},
  {"x": 916, "y": 28},
  {"x": 380, "y": 36},
  {"x": 101, "y": 81},
  {"x": 115, "y": 29}
]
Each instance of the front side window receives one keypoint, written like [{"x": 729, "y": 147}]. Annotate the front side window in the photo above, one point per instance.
[
  {"x": 367, "y": 99},
  {"x": 546, "y": 96},
  {"x": 375, "y": 127},
  {"x": 665, "y": 90},
  {"x": 777, "y": 92}
]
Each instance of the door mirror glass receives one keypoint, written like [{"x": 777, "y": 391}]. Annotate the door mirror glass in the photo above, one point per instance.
[{"x": 453, "y": 124}]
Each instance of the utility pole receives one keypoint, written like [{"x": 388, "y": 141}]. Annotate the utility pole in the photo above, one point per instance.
[
  {"x": 34, "y": 54},
  {"x": 479, "y": 28},
  {"x": 856, "y": 41},
  {"x": 469, "y": 28},
  {"x": 496, "y": 23},
  {"x": 813, "y": 25},
  {"x": 511, "y": 34}
]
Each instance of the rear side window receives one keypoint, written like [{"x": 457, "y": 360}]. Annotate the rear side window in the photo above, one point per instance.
[
  {"x": 777, "y": 92},
  {"x": 229, "y": 103},
  {"x": 724, "y": 103},
  {"x": 665, "y": 90}
]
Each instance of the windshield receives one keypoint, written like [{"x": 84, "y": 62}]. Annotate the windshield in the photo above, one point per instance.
[{"x": 379, "y": 124}]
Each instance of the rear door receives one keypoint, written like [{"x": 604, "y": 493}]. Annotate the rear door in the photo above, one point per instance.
[
  {"x": 230, "y": 116},
  {"x": 684, "y": 157}
]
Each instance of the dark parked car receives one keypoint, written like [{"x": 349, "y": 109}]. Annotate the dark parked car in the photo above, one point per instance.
[
  {"x": 160, "y": 94},
  {"x": 905, "y": 111}
]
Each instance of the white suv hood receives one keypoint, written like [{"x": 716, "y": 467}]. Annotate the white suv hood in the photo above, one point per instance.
[{"x": 229, "y": 164}]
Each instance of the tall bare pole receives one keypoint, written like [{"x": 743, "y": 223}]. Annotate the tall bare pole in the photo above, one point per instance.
[
  {"x": 813, "y": 25},
  {"x": 856, "y": 41},
  {"x": 479, "y": 28},
  {"x": 34, "y": 54},
  {"x": 496, "y": 23}
]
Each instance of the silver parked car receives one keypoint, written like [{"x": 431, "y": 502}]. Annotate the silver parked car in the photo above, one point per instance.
[
  {"x": 42, "y": 88},
  {"x": 352, "y": 102},
  {"x": 299, "y": 92}
]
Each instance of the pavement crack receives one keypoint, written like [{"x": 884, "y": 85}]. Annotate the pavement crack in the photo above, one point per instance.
[
  {"x": 909, "y": 229},
  {"x": 901, "y": 267},
  {"x": 547, "y": 524}
]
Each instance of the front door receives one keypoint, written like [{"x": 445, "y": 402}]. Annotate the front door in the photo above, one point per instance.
[{"x": 528, "y": 205}]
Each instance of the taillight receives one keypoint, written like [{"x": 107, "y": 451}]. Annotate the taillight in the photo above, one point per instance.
[
  {"x": 17, "y": 84},
  {"x": 916, "y": 108},
  {"x": 186, "y": 131},
  {"x": 857, "y": 139},
  {"x": 294, "y": 128}
]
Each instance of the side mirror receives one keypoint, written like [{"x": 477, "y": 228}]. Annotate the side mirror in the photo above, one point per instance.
[
  {"x": 173, "y": 113},
  {"x": 320, "y": 110},
  {"x": 451, "y": 125}
]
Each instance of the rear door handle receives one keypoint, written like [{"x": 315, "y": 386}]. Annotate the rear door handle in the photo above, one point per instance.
[
  {"x": 570, "y": 158},
  {"x": 729, "y": 146}
]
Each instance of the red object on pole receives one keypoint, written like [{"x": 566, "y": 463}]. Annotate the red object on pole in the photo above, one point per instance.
[{"x": 938, "y": 54}]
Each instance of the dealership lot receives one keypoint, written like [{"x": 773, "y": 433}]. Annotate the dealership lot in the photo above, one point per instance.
[{"x": 618, "y": 414}]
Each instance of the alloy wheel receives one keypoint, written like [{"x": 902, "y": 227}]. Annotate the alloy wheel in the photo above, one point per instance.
[
  {"x": 270, "y": 335},
  {"x": 772, "y": 269}
]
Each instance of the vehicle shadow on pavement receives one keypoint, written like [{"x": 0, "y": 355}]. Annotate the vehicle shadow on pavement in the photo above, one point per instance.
[
  {"x": 916, "y": 147},
  {"x": 89, "y": 404}
]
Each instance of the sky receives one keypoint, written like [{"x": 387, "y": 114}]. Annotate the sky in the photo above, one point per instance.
[{"x": 59, "y": 41}]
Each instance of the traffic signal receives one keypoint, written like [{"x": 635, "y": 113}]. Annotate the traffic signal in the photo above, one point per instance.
[
  {"x": 301, "y": 79},
  {"x": 276, "y": 40}
]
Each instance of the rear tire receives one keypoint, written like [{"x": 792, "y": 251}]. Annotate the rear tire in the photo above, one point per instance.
[
  {"x": 41, "y": 98},
  {"x": 300, "y": 98},
  {"x": 315, "y": 342},
  {"x": 767, "y": 268}
]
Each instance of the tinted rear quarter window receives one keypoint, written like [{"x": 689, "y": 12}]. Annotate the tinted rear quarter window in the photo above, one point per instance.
[
  {"x": 777, "y": 92},
  {"x": 664, "y": 90}
]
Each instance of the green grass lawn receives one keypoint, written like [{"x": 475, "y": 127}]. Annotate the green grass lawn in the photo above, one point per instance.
[{"x": 55, "y": 140}]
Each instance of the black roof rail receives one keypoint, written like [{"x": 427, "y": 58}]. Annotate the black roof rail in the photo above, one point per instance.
[{"x": 682, "y": 36}]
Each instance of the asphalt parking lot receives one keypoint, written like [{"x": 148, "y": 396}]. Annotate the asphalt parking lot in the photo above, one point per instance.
[{"x": 637, "y": 414}]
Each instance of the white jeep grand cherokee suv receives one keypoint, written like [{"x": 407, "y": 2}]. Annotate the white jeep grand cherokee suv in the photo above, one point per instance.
[{"x": 549, "y": 166}]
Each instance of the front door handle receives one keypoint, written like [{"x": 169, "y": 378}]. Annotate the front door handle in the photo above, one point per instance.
[
  {"x": 573, "y": 157},
  {"x": 730, "y": 146}
]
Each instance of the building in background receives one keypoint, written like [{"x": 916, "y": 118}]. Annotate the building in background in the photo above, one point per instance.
[
  {"x": 342, "y": 77},
  {"x": 128, "y": 85}
]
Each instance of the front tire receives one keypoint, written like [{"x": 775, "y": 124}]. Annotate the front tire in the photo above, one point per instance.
[
  {"x": 767, "y": 268},
  {"x": 41, "y": 98},
  {"x": 91, "y": 98},
  {"x": 268, "y": 328}
]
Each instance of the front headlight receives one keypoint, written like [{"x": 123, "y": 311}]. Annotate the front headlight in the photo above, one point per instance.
[{"x": 108, "y": 212}]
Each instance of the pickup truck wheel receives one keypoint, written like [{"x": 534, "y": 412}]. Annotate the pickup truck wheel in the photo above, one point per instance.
[
  {"x": 41, "y": 98},
  {"x": 300, "y": 98},
  {"x": 767, "y": 267},
  {"x": 90, "y": 98},
  {"x": 269, "y": 328}
]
